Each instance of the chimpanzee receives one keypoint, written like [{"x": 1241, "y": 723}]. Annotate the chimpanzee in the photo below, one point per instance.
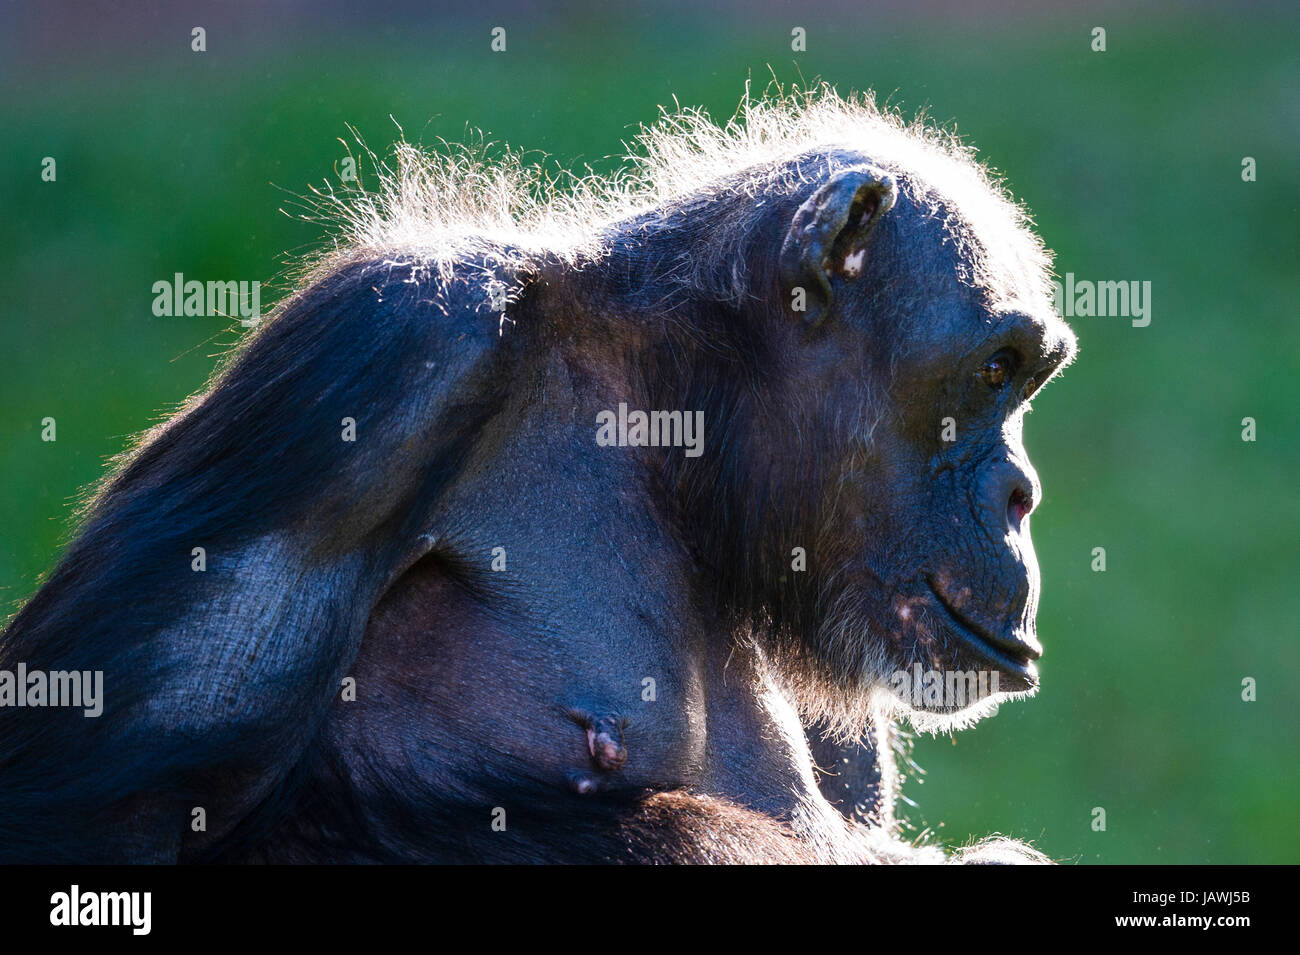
[{"x": 551, "y": 523}]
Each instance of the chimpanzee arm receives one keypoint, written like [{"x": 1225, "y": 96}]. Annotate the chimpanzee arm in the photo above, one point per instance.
[
  {"x": 857, "y": 777},
  {"x": 222, "y": 577}
]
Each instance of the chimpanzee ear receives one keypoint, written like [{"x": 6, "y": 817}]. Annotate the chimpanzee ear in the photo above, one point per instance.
[{"x": 828, "y": 236}]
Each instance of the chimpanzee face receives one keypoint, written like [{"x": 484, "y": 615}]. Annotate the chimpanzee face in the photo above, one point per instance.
[{"x": 930, "y": 338}]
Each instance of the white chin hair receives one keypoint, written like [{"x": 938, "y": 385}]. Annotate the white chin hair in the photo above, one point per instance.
[{"x": 934, "y": 722}]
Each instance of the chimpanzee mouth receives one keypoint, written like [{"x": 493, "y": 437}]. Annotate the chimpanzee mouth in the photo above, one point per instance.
[{"x": 1012, "y": 656}]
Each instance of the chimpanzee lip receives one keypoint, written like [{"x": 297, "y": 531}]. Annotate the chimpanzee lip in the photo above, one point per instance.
[{"x": 1013, "y": 656}]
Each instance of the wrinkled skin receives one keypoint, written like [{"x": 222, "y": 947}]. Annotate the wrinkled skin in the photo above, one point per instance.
[
  {"x": 931, "y": 536},
  {"x": 634, "y": 684}
]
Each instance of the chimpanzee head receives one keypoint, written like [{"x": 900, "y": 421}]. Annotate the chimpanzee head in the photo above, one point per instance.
[{"x": 917, "y": 327}]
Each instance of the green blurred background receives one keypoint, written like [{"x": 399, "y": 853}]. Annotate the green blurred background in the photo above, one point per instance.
[{"x": 174, "y": 161}]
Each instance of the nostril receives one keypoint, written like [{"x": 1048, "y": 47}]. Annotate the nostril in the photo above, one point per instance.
[{"x": 1018, "y": 507}]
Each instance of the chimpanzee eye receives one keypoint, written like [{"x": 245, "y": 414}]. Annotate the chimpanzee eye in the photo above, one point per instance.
[{"x": 997, "y": 371}]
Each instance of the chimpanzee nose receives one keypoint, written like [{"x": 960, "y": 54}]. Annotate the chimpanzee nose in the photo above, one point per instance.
[
  {"x": 1018, "y": 487},
  {"x": 1018, "y": 507}
]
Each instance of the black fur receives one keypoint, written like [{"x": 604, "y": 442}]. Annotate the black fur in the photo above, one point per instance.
[{"x": 372, "y": 559}]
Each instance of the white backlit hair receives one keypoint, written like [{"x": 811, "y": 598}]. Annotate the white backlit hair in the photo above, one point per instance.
[{"x": 446, "y": 205}]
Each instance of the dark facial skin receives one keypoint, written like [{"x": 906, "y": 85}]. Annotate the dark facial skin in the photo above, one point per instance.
[
  {"x": 945, "y": 567},
  {"x": 627, "y": 686}
]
